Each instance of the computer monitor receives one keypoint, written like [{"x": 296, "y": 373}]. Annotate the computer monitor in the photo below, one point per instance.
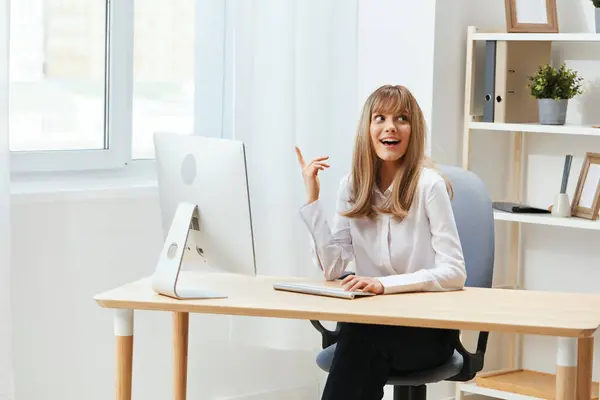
[{"x": 205, "y": 210}]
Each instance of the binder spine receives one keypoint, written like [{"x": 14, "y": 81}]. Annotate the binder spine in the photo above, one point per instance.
[
  {"x": 489, "y": 81},
  {"x": 502, "y": 82}
]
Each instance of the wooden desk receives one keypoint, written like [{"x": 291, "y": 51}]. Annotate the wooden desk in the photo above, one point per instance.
[{"x": 573, "y": 317}]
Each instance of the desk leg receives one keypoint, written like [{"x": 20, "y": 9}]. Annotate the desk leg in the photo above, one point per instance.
[
  {"x": 123, "y": 326},
  {"x": 180, "y": 354},
  {"x": 566, "y": 368},
  {"x": 585, "y": 359}
]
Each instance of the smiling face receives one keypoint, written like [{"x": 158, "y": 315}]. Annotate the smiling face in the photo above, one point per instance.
[
  {"x": 390, "y": 140},
  {"x": 390, "y": 134}
]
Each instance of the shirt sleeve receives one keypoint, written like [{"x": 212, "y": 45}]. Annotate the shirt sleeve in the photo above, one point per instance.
[
  {"x": 449, "y": 271},
  {"x": 332, "y": 246}
]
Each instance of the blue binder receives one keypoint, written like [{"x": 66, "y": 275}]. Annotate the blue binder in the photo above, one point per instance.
[{"x": 489, "y": 85}]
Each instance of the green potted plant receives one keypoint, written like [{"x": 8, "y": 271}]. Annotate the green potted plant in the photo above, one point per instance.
[
  {"x": 596, "y": 4},
  {"x": 553, "y": 88}
]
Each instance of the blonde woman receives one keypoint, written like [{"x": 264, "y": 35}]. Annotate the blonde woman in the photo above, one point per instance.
[{"x": 394, "y": 219}]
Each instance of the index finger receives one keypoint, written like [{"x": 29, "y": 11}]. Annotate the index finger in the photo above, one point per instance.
[
  {"x": 300, "y": 158},
  {"x": 348, "y": 279}
]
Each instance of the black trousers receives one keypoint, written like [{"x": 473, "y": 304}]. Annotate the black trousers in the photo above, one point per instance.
[{"x": 366, "y": 355}]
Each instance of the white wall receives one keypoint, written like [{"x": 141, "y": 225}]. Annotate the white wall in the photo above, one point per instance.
[
  {"x": 6, "y": 384},
  {"x": 67, "y": 251},
  {"x": 395, "y": 46},
  {"x": 450, "y": 55}
]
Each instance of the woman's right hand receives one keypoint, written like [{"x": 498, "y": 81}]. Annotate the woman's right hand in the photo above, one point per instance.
[{"x": 310, "y": 173}]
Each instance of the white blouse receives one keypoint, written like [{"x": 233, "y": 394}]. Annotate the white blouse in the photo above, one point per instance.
[{"x": 421, "y": 253}]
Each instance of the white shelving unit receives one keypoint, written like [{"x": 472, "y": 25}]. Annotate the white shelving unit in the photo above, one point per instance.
[
  {"x": 585, "y": 130},
  {"x": 546, "y": 219},
  {"x": 538, "y": 37},
  {"x": 524, "y": 384},
  {"x": 472, "y": 388},
  {"x": 518, "y": 385}
]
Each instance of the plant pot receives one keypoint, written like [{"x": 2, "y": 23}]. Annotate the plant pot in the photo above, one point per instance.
[
  {"x": 597, "y": 20},
  {"x": 552, "y": 112}
]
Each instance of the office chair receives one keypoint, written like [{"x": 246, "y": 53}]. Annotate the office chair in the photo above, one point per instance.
[{"x": 473, "y": 213}]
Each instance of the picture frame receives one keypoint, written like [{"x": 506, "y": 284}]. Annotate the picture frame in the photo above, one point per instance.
[
  {"x": 586, "y": 202},
  {"x": 531, "y": 16}
]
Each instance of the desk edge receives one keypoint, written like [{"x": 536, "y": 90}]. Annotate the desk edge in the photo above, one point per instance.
[{"x": 301, "y": 315}]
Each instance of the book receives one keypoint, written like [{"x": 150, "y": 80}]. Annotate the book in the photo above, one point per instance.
[{"x": 511, "y": 207}]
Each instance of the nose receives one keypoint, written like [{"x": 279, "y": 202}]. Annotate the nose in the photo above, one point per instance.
[{"x": 390, "y": 127}]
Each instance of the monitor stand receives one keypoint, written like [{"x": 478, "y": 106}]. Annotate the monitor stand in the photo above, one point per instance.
[{"x": 164, "y": 280}]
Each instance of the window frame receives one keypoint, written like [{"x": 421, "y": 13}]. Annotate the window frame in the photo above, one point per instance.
[
  {"x": 211, "y": 104},
  {"x": 118, "y": 107}
]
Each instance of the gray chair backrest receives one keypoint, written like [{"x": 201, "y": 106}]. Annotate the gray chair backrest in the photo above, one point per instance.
[{"x": 474, "y": 217}]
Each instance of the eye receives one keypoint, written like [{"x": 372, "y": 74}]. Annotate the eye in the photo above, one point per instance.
[
  {"x": 378, "y": 118},
  {"x": 402, "y": 118}
]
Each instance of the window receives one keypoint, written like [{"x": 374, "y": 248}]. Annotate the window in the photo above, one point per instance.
[
  {"x": 57, "y": 75},
  {"x": 91, "y": 81},
  {"x": 163, "y": 71}
]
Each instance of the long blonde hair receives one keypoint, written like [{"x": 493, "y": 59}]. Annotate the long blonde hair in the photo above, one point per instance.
[{"x": 396, "y": 100}]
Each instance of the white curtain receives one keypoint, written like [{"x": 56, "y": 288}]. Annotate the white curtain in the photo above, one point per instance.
[
  {"x": 290, "y": 80},
  {"x": 6, "y": 379}
]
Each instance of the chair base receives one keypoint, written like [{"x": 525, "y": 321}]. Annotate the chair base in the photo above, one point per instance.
[{"x": 410, "y": 392}]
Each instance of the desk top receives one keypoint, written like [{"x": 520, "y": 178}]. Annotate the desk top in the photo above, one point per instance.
[{"x": 499, "y": 310}]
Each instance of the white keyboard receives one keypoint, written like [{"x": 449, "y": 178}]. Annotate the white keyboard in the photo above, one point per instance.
[{"x": 320, "y": 290}]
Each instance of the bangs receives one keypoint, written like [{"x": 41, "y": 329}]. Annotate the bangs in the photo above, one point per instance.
[{"x": 392, "y": 100}]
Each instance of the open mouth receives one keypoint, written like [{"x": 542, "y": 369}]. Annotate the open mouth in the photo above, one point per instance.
[{"x": 390, "y": 142}]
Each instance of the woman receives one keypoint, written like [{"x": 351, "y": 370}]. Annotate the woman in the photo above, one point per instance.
[{"x": 394, "y": 219}]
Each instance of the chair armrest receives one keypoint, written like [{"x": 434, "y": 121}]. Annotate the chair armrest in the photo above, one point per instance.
[
  {"x": 327, "y": 337},
  {"x": 482, "y": 343},
  {"x": 345, "y": 274},
  {"x": 473, "y": 362}
]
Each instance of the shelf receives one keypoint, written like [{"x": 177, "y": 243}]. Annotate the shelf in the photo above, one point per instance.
[
  {"x": 537, "y": 128},
  {"x": 548, "y": 37},
  {"x": 547, "y": 219},
  {"x": 518, "y": 384},
  {"x": 472, "y": 388}
]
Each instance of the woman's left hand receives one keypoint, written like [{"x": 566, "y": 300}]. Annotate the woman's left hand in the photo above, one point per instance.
[{"x": 353, "y": 283}]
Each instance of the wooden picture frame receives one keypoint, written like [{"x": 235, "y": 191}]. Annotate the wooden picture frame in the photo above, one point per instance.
[
  {"x": 531, "y": 16},
  {"x": 586, "y": 202}
]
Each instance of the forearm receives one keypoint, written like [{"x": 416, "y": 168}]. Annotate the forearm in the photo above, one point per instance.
[
  {"x": 444, "y": 277},
  {"x": 332, "y": 250},
  {"x": 331, "y": 261}
]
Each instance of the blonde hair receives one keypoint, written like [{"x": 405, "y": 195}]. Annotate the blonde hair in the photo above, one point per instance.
[{"x": 396, "y": 100}]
